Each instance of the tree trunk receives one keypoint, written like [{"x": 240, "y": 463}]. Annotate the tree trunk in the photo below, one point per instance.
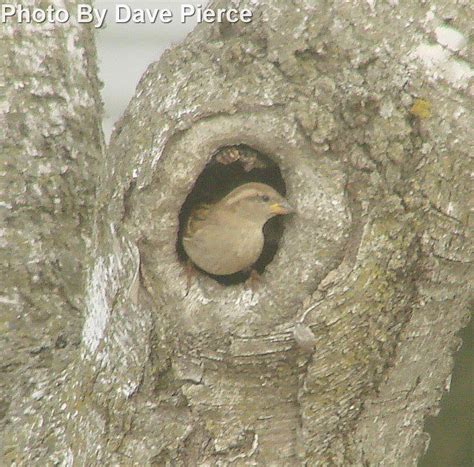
[
  {"x": 50, "y": 144},
  {"x": 347, "y": 345}
]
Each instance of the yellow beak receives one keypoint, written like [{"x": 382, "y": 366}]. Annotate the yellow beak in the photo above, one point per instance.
[{"x": 281, "y": 208}]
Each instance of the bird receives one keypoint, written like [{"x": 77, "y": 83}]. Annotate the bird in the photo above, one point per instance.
[{"x": 227, "y": 237}]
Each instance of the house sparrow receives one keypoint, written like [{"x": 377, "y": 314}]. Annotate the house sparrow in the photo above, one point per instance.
[{"x": 227, "y": 237}]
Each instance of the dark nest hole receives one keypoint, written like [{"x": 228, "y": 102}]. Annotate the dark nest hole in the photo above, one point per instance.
[{"x": 230, "y": 167}]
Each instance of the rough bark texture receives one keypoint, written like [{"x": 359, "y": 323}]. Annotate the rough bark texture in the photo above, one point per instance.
[
  {"x": 372, "y": 139},
  {"x": 50, "y": 142}
]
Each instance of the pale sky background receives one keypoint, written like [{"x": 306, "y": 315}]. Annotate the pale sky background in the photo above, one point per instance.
[{"x": 126, "y": 50}]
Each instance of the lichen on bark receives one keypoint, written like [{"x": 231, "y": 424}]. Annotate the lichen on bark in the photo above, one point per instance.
[{"x": 375, "y": 264}]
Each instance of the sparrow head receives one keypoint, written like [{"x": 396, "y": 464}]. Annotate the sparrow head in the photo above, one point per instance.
[{"x": 256, "y": 201}]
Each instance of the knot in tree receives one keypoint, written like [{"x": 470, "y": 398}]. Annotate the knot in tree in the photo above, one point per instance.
[{"x": 345, "y": 345}]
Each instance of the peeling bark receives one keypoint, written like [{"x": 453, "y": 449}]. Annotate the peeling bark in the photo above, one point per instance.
[{"x": 372, "y": 141}]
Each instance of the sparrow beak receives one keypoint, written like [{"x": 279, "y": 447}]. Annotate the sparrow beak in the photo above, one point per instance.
[{"x": 281, "y": 208}]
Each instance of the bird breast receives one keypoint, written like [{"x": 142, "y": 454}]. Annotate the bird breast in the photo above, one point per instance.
[{"x": 223, "y": 248}]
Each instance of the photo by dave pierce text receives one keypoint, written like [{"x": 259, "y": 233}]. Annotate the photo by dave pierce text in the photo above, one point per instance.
[{"x": 121, "y": 13}]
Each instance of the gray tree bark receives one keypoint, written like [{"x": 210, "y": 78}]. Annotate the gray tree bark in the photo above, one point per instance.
[
  {"x": 50, "y": 144},
  {"x": 366, "y": 110}
]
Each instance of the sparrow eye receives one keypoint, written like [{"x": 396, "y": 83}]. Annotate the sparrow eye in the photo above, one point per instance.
[{"x": 265, "y": 198}]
